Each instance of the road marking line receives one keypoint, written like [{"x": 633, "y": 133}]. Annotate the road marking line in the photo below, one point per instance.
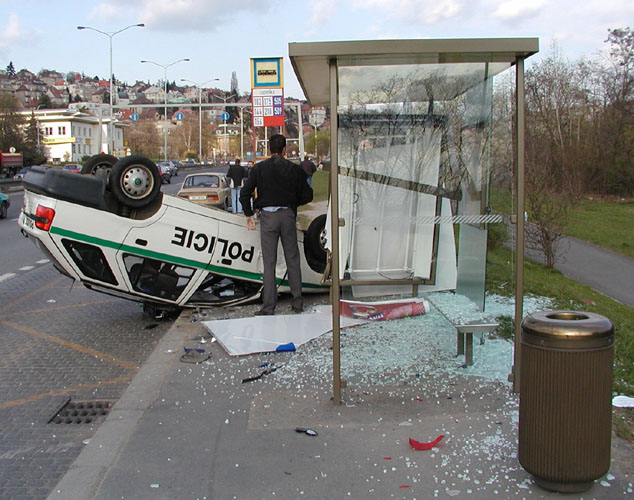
[
  {"x": 58, "y": 308},
  {"x": 26, "y": 268},
  {"x": 7, "y": 276},
  {"x": 35, "y": 397},
  {"x": 43, "y": 261},
  {"x": 72, "y": 345}
]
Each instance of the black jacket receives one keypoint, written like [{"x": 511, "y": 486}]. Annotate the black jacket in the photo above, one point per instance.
[
  {"x": 279, "y": 183},
  {"x": 237, "y": 173}
]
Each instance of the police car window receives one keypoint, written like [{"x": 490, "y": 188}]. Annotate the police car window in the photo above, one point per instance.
[
  {"x": 157, "y": 278},
  {"x": 90, "y": 260}
]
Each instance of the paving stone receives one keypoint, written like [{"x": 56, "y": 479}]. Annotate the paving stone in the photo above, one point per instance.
[{"x": 59, "y": 342}]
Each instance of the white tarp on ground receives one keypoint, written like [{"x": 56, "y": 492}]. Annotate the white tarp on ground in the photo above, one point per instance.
[{"x": 273, "y": 333}]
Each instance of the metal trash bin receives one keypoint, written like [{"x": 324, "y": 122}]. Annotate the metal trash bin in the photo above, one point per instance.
[{"x": 565, "y": 418}]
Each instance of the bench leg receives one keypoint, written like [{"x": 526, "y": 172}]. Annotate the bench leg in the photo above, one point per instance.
[
  {"x": 468, "y": 359},
  {"x": 460, "y": 341}
]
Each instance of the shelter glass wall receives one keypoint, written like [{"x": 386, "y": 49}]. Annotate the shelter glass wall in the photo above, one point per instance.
[{"x": 414, "y": 152}]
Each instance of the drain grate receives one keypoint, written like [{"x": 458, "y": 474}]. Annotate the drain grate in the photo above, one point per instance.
[{"x": 81, "y": 412}]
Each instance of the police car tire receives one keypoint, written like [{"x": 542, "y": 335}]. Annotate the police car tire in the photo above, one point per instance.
[
  {"x": 98, "y": 162},
  {"x": 313, "y": 246},
  {"x": 135, "y": 181}
]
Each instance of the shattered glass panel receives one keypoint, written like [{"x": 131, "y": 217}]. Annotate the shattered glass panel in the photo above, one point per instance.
[{"x": 413, "y": 161}]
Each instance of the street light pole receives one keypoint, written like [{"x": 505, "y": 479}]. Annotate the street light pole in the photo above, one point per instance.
[
  {"x": 225, "y": 99},
  {"x": 110, "y": 35},
  {"x": 165, "y": 66},
  {"x": 200, "y": 113}
]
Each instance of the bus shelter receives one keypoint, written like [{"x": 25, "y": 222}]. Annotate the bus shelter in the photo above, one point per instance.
[{"x": 411, "y": 148}]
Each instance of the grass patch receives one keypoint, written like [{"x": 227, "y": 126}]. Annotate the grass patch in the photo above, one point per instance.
[
  {"x": 320, "y": 185},
  {"x": 568, "y": 294},
  {"x": 609, "y": 224}
]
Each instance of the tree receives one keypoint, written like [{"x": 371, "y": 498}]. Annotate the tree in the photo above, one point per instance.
[
  {"x": 33, "y": 149},
  {"x": 44, "y": 101},
  {"x": 185, "y": 136},
  {"x": 10, "y": 69},
  {"x": 323, "y": 143},
  {"x": 143, "y": 138},
  {"x": 613, "y": 120},
  {"x": 555, "y": 153},
  {"x": 11, "y": 124}
]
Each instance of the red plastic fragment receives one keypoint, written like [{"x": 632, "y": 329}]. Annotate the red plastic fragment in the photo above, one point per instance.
[
  {"x": 419, "y": 399},
  {"x": 404, "y": 486},
  {"x": 387, "y": 458},
  {"x": 425, "y": 446}
]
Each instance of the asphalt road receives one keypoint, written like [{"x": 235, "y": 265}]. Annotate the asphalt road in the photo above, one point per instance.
[{"x": 607, "y": 272}]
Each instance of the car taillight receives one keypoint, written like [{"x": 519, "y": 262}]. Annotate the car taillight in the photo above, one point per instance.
[
  {"x": 213, "y": 197},
  {"x": 44, "y": 217}
]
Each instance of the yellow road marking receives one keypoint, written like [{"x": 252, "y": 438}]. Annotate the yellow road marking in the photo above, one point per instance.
[
  {"x": 71, "y": 345},
  {"x": 34, "y": 292},
  {"x": 30, "y": 399}
]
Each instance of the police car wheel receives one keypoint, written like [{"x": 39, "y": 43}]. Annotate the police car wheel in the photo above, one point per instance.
[
  {"x": 314, "y": 244},
  {"x": 98, "y": 162},
  {"x": 135, "y": 181}
]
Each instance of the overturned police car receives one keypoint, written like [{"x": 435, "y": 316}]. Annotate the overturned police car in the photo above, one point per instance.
[{"x": 112, "y": 229}]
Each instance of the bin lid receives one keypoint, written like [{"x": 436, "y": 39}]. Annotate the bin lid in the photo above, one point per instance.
[{"x": 568, "y": 330}]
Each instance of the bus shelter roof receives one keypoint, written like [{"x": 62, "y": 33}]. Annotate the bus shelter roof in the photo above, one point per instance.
[{"x": 311, "y": 60}]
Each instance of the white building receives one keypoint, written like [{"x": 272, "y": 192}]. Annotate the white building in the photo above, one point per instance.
[{"x": 68, "y": 135}]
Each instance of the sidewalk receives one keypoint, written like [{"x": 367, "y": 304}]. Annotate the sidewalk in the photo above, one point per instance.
[{"x": 195, "y": 431}]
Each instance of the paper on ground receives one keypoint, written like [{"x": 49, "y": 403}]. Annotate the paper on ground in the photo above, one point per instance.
[
  {"x": 623, "y": 402},
  {"x": 267, "y": 333}
]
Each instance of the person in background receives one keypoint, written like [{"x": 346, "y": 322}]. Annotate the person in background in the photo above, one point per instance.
[
  {"x": 309, "y": 168},
  {"x": 281, "y": 188},
  {"x": 237, "y": 175}
]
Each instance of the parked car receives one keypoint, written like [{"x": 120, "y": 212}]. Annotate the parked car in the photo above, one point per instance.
[
  {"x": 169, "y": 165},
  {"x": 120, "y": 235},
  {"x": 211, "y": 190},
  {"x": 174, "y": 165},
  {"x": 72, "y": 167},
  {"x": 5, "y": 202},
  {"x": 165, "y": 173},
  {"x": 21, "y": 173}
]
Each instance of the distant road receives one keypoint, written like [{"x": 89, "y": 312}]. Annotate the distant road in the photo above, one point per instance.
[{"x": 607, "y": 272}]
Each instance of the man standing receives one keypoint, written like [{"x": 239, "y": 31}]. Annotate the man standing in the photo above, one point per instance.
[
  {"x": 309, "y": 168},
  {"x": 281, "y": 188},
  {"x": 236, "y": 173}
]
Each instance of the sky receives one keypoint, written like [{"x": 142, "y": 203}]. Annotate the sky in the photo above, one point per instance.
[{"x": 221, "y": 37}]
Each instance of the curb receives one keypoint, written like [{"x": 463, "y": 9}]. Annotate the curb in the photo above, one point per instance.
[{"x": 84, "y": 477}]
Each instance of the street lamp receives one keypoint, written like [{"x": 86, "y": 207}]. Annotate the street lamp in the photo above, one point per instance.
[
  {"x": 110, "y": 35},
  {"x": 165, "y": 66},
  {"x": 200, "y": 113}
]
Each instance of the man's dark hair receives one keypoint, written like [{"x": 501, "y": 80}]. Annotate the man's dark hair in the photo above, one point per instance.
[
  {"x": 277, "y": 143},
  {"x": 237, "y": 161}
]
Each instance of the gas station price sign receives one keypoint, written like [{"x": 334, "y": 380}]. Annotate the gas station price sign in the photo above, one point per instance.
[
  {"x": 268, "y": 107},
  {"x": 267, "y": 92}
]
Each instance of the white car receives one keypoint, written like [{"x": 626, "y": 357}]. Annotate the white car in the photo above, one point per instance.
[{"x": 116, "y": 232}]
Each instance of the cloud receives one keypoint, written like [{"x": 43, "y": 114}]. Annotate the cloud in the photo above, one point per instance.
[
  {"x": 518, "y": 9},
  {"x": 414, "y": 11},
  {"x": 322, "y": 10},
  {"x": 182, "y": 15},
  {"x": 12, "y": 33}
]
